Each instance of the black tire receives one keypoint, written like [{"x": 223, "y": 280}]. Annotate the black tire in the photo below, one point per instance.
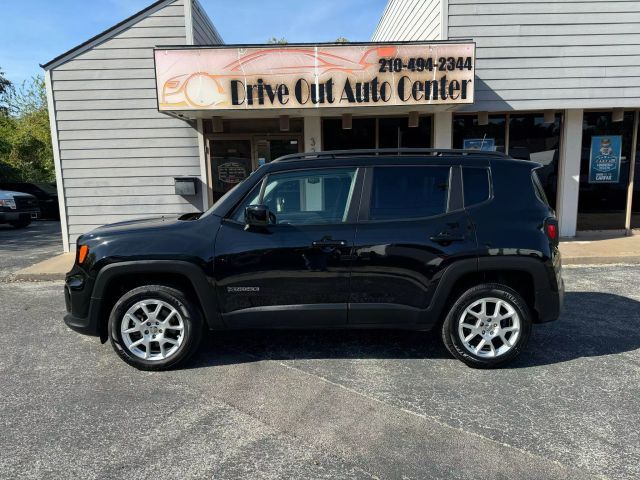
[
  {"x": 188, "y": 311},
  {"x": 455, "y": 344},
  {"x": 21, "y": 223}
]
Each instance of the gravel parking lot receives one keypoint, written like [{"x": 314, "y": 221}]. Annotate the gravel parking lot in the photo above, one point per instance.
[{"x": 330, "y": 404}]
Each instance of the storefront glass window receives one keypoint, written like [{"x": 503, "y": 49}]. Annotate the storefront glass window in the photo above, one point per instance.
[
  {"x": 394, "y": 132},
  {"x": 465, "y": 127},
  {"x": 532, "y": 139},
  {"x": 601, "y": 206},
  {"x": 361, "y": 135}
]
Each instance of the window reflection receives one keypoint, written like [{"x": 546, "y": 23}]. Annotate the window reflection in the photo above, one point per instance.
[
  {"x": 465, "y": 127},
  {"x": 601, "y": 206},
  {"x": 532, "y": 139}
]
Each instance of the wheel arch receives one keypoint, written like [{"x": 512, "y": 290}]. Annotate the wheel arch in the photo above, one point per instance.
[
  {"x": 525, "y": 275},
  {"x": 116, "y": 279}
]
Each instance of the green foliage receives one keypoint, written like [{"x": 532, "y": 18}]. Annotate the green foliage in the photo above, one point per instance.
[
  {"x": 342, "y": 40},
  {"x": 25, "y": 137},
  {"x": 4, "y": 86},
  {"x": 278, "y": 41}
]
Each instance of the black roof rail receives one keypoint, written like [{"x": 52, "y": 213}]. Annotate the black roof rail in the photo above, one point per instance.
[{"x": 387, "y": 151}]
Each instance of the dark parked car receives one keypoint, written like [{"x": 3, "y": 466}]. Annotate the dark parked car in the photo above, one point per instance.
[
  {"x": 46, "y": 193},
  {"x": 17, "y": 208},
  {"x": 461, "y": 241}
]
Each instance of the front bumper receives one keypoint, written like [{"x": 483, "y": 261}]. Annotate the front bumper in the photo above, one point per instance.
[
  {"x": 18, "y": 215},
  {"x": 82, "y": 310}
]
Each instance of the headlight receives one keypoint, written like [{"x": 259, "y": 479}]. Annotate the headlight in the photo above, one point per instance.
[{"x": 9, "y": 202}]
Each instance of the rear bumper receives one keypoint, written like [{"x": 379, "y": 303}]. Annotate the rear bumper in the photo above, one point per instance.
[{"x": 549, "y": 304}]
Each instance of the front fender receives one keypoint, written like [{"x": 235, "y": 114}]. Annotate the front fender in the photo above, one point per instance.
[{"x": 193, "y": 273}]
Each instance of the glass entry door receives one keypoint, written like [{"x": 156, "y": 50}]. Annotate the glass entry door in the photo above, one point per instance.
[
  {"x": 231, "y": 162},
  {"x": 268, "y": 149}
]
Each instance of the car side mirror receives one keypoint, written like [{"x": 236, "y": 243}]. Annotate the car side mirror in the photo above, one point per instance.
[{"x": 257, "y": 216}]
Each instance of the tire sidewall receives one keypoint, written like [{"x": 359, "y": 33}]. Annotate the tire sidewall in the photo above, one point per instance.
[
  {"x": 190, "y": 316},
  {"x": 450, "y": 328}
]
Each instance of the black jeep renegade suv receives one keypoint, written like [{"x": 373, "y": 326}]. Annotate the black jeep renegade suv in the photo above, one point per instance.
[{"x": 461, "y": 241}]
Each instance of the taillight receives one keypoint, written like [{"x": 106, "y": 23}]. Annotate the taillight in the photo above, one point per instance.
[{"x": 551, "y": 230}]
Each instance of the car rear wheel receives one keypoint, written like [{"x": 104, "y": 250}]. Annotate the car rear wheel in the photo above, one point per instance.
[
  {"x": 487, "y": 326},
  {"x": 155, "y": 327}
]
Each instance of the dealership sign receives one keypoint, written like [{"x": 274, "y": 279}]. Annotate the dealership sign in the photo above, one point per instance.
[{"x": 322, "y": 76}]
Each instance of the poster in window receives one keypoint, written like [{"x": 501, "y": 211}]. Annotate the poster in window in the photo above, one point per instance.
[
  {"x": 604, "y": 161},
  {"x": 485, "y": 144}
]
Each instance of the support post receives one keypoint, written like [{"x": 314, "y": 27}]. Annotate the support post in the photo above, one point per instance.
[
  {"x": 442, "y": 130},
  {"x": 312, "y": 134},
  {"x": 569, "y": 172},
  {"x": 632, "y": 171}
]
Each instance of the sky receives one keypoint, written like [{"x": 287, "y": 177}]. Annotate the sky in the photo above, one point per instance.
[{"x": 35, "y": 31}]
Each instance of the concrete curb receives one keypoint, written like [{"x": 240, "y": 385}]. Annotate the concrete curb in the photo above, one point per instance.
[
  {"x": 36, "y": 277},
  {"x": 599, "y": 260}
]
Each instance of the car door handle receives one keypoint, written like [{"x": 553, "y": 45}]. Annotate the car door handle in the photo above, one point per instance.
[
  {"x": 326, "y": 242},
  {"x": 447, "y": 237}
]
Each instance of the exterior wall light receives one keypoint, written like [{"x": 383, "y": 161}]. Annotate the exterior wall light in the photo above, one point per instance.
[
  {"x": 414, "y": 119},
  {"x": 346, "y": 121},
  {"x": 549, "y": 116},
  {"x": 218, "y": 126},
  {"x": 284, "y": 123},
  {"x": 617, "y": 115}
]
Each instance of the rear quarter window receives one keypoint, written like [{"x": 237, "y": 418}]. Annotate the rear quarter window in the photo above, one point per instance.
[{"x": 475, "y": 181}]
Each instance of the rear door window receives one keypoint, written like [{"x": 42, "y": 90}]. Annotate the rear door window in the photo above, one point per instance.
[
  {"x": 408, "y": 192},
  {"x": 475, "y": 185}
]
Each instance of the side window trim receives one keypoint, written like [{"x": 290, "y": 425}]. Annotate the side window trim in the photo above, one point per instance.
[{"x": 455, "y": 189}]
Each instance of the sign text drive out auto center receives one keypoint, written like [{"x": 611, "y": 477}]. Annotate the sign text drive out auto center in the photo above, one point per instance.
[{"x": 157, "y": 116}]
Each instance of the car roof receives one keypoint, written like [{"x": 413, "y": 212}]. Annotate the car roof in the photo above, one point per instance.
[{"x": 382, "y": 157}]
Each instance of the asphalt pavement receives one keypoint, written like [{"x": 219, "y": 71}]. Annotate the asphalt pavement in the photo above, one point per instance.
[
  {"x": 22, "y": 247},
  {"x": 332, "y": 404}
]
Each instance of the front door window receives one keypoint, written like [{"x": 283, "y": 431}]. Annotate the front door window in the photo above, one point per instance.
[{"x": 312, "y": 197}]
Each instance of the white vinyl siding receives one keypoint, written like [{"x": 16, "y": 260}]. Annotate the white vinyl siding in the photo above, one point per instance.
[
  {"x": 551, "y": 54},
  {"x": 204, "y": 33},
  {"x": 405, "y": 20},
  {"x": 118, "y": 153}
]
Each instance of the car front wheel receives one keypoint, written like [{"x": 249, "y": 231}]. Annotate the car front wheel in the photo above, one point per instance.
[
  {"x": 155, "y": 327},
  {"x": 487, "y": 326}
]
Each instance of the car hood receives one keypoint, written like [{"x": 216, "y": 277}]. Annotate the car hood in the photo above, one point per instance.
[
  {"x": 136, "y": 225},
  {"x": 11, "y": 194}
]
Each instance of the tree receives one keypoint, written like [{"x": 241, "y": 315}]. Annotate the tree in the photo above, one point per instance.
[
  {"x": 4, "y": 86},
  {"x": 342, "y": 40},
  {"x": 25, "y": 137},
  {"x": 278, "y": 41}
]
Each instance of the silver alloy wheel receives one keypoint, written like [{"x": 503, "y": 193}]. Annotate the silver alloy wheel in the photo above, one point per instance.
[
  {"x": 152, "y": 329},
  {"x": 489, "y": 327}
]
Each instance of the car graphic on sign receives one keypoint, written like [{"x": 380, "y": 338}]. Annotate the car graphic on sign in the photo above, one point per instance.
[{"x": 204, "y": 89}]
